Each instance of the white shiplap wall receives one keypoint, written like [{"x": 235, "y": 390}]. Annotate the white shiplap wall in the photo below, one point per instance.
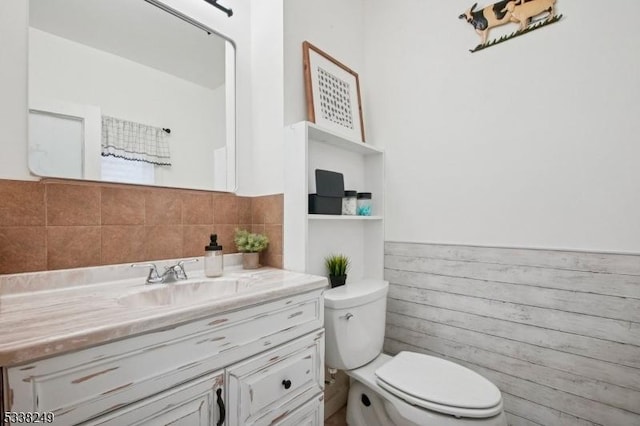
[{"x": 557, "y": 331}]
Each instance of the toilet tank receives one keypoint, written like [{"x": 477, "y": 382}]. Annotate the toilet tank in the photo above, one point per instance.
[{"x": 354, "y": 316}]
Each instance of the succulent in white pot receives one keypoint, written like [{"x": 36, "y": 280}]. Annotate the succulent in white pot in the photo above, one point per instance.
[{"x": 250, "y": 245}]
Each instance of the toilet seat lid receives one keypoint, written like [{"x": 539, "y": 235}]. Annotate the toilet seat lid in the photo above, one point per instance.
[{"x": 438, "y": 381}]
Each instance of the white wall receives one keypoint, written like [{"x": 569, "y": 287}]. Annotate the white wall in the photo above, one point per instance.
[
  {"x": 14, "y": 20},
  {"x": 334, "y": 26},
  {"x": 529, "y": 143},
  {"x": 64, "y": 70},
  {"x": 13, "y": 80},
  {"x": 267, "y": 96}
]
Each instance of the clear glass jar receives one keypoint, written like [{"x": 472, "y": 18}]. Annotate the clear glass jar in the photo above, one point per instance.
[
  {"x": 364, "y": 207},
  {"x": 349, "y": 203}
]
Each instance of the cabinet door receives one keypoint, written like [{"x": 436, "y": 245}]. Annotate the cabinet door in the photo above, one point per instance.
[{"x": 199, "y": 402}]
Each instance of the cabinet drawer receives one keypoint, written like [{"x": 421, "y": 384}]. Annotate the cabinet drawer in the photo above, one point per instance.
[
  {"x": 274, "y": 379},
  {"x": 310, "y": 414},
  {"x": 93, "y": 382},
  {"x": 191, "y": 404}
]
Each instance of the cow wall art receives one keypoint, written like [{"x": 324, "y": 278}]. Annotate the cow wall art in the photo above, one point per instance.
[{"x": 528, "y": 14}]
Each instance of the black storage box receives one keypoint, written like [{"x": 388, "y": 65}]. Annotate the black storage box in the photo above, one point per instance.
[
  {"x": 329, "y": 184},
  {"x": 324, "y": 205}
]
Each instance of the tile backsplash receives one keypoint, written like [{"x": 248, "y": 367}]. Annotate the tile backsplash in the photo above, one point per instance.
[{"x": 58, "y": 224}]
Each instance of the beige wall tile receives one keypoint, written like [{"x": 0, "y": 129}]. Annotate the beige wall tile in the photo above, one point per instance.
[
  {"x": 22, "y": 203},
  {"x": 257, "y": 210},
  {"x": 226, "y": 234},
  {"x": 72, "y": 204},
  {"x": 122, "y": 244},
  {"x": 163, "y": 241},
  {"x": 225, "y": 209},
  {"x": 274, "y": 209},
  {"x": 197, "y": 208},
  {"x": 22, "y": 249},
  {"x": 122, "y": 206},
  {"x": 88, "y": 224},
  {"x": 270, "y": 259},
  {"x": 195, "y": 238},
  {"x": 73, "y": 246},
  {"x": 274, "y": 233},
  {"x": 244, "y": 209},
  {"x": 163, "y": 207}
]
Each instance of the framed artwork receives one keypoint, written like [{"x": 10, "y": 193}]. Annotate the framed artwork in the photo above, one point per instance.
[{"x": 333, "y": 93}]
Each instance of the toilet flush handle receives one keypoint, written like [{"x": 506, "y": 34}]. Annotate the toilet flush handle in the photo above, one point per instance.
[{"x": 348, "y": 316}]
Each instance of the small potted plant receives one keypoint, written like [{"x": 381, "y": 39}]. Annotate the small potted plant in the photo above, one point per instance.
[
  {"x": 337, "y": 266},
  {"x": 250, "y": 245}
]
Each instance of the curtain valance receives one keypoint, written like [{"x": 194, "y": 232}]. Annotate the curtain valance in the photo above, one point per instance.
[{"x": 134, "y": 141}]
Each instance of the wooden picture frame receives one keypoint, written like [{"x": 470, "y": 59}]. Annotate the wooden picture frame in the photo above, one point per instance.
[{"x": 333, "y": 93}]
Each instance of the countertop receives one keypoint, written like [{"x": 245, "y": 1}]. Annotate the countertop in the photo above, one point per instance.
[{"x": 40, "y": 323}]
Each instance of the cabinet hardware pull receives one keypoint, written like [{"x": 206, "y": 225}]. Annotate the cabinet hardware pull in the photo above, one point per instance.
[
  {"x": 286, "y": 384},
  {"x": 223, "y": 412}
]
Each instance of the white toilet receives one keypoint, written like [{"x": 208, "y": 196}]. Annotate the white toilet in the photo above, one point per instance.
[{"x": 408, "y": 389}]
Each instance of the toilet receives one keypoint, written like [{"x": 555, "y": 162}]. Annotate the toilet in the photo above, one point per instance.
[{"x": 408, "y": 389}]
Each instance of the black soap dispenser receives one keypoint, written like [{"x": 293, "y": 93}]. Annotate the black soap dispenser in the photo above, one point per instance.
[{"x": 213, "y": 265}]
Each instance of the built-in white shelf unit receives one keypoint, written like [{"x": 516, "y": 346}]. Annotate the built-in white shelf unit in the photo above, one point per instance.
[{"x": 309, "y": 238}]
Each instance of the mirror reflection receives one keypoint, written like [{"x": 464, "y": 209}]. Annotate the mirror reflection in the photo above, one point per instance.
[{"x": 124, "y": 91}]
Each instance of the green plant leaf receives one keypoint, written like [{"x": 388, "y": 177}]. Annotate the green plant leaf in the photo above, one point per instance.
[
  {"x": 337, "y": 264},
  {"x": 248, "y": 242}
]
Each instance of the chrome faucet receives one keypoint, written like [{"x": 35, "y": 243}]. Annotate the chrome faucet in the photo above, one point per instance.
[{"x": 171, "y": 273}]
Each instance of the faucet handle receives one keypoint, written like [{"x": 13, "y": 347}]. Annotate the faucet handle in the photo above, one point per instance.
[
  {"x": 179, "y": 268},
  {"x": 154, "y": 276}
]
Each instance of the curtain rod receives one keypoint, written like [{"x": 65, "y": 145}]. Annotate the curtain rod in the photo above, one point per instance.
[{"x": 229, "y": 12}]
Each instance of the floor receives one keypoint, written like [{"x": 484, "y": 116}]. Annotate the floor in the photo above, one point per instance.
[{"x": 338, "y": 419}]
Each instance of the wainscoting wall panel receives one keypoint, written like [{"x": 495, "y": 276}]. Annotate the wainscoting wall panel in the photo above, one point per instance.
[{"x": 557, "y": 331}]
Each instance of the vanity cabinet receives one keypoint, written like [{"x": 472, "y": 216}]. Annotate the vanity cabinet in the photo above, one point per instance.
[{"x": 263, "y": 364}]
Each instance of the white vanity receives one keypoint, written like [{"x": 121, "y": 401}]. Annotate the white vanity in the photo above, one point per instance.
[{"x": 243, "y": 349}]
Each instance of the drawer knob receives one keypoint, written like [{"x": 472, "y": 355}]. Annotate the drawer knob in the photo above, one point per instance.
[{"x": 286, "y": 384}]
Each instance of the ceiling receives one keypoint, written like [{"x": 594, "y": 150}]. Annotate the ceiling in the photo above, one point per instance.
[{"x": 138, "y": 31}]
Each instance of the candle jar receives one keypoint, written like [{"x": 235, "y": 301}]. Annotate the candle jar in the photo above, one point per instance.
[
  {"x": 363, "y": 204},
  {"x": 349, "y": 203}
]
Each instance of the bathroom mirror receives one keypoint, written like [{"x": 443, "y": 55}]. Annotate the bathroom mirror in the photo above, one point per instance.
[{"x": 130, "y": 91}]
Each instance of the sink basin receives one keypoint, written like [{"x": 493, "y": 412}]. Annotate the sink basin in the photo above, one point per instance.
[{"x": 181, "y": 293}]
